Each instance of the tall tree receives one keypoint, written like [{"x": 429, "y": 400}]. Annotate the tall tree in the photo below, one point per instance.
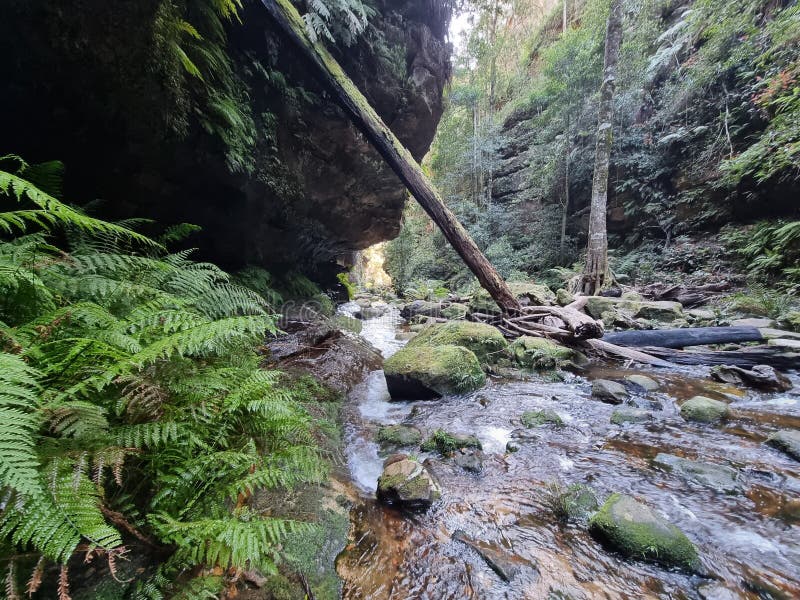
[{"x": 594, "y": 275}]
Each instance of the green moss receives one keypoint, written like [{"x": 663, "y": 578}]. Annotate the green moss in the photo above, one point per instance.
[
  {"x": 455, "y": 311},
  {"x": 346, "y": 323},
  {"x": 540, "y": 353},
  {"x": 398, "y": 435},
  {"x": 344, "y": 279},
  {"x": 484, "y": 340},
  {"x": 533, "y": 293},
  {"x": 574, "y": 502},
  {"x": 634, "y": 530},
  {"x": 445, "y": 369},
  {"x": 537, "y": 418},
  {"x": 446, "y": 443}
]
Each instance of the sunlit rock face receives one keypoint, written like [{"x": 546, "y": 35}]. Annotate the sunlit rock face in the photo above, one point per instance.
[{"x": 98, "y": 94}]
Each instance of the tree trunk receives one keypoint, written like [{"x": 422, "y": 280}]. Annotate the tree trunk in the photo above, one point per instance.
[
  {"x": 394, "y": 153},
  {"x": 565, "y": 207},
  {"x": 564, "y": 19},
  {"x": 594, "y": 275},
  {"x": 687, "y": 336}
]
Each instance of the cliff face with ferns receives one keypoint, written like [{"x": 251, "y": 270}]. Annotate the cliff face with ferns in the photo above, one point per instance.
[{"x": 164, "y": 110}]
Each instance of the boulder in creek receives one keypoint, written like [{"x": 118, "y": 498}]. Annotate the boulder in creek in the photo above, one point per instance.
[
  {"x": 636, "y": 531},
  {"x": 762, "y": 377},
  {"x": 485, "y": 341},
  {"x": 424, "y": 372},
  {"x": 421, "y": 307},
  {"x": 469, "y": 460},
  {"x": 398, "y": 436},
  {"x": 407, "y": 483},
  {"x": 643, "y": 381},
  {"x": 704, "y": 410},
  {"x": 787, "y": 441},
  {"x": 538, "y": 418},
  {"x": 455, "y": 311},
  {"x": 542, "y": 354},
  {"x": 498, "y": 559},
  {"x": 528, "y": 294},
  {"x": 608, "y": 391},
  {"x": 628, "y": 308},
  {"x": 719, "y": 477},
  {"x": 563, "y": 297},
  {"x": 630, "y": 414},
  {"x": 445, "y": 443},
  {"x": 372, "y": 312}
]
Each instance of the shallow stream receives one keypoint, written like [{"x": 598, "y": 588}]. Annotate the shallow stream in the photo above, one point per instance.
[{"x": 749, "y": 541}]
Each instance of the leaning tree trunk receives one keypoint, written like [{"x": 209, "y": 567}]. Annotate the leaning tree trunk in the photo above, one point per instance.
[
  {"x": 394, "y": 153},
  {"x": 594, "y": 275}
]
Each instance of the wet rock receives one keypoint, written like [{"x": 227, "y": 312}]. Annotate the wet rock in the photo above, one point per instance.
[
  {"x": 422, "y": 308},
  {"x": 718, "y": 477},
  {"x": 455, "y": 311},
  {"x": 485, "y": 341},
  {"x": 753, "y": 322},
  {"x": 701, "y": 314},
  {"x": 541, "y": 354},
  {"x": 525, "y": 435},
  {"x": 363, "y": 302},
  {"x": 643, "y": 381},
  {"x": 716, "y": 591},
  {"x": 469, "y": 460},
  {"x": 762, "y": 377},
  {"x": 497, "y": 558},
  {"x": 445, "y": 443},
  {"x": 398, "y": 435},
  {"x": 609, "y": 392},
  {"x": 405, "y": 335},
  {"x": 577, "y": 501},
  {"x": 563, "y": 297},
  {"x": 704, "y": 410},
  {"x": 372, "y": 312},
  {"x": 630, "y": 414},
  {"x": 407, "y": 483},
  {"x": 636, "y": 531},
  {"x": 422, "y": 372},
  {"x": 537, "y": 418},
  {"x": 787, "y": 441},
  {"x": 512, "y": 446},
  {"x": 345, "y": 323}
]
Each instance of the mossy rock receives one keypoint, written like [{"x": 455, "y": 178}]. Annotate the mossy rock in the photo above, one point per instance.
[
  {"x": 577, "y": 501},
  {"x": 445, "y": 443},
  {"x": 643, "y": 381},
  {"x": 421, "y": 371},
  {"x": 346, "y": 323},
  {"x": 455, "y": 311},
  {"x": 421, "y": 308},
  {"x": 529, "y": 294},
  {"x": 704, "y": 410},
  {"x": 563, "y": 297},
  {"x": 630, "y": 414},
  {"x": 787, "y": 441},
  {"x": 485, "y": 341},
  {"x": 407, "y": 483},
  {"x": 636, "y": 531},
  {"x": 538, "y": 418},
  {"x": 610, "y": 392},
  {"x": 542, "y": 354},
  {"x": 398, "y": 435}
]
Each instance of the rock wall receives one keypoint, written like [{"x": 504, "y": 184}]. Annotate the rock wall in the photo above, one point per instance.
[{"x": 87, "y": 82}]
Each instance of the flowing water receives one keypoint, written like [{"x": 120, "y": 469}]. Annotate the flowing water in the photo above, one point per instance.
[{"x": 749, "y": 542}]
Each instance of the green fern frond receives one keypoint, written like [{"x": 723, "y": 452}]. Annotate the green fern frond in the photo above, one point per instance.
[{"x": 76, "y": 419}]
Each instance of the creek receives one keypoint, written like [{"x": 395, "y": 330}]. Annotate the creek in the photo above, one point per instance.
[{"x": 749, "y": 541}]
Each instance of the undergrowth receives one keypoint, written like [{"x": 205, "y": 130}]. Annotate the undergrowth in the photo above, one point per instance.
[{"x": 132, "y": 407}]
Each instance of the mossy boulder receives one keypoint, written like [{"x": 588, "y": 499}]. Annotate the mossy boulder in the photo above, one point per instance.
[
  {"x": 421, "y": 371},
  {"x": 529, "y": 294},
  {"x": 455, "y": 311},
  {"x": 563, "y": 297},
  {"x": 445, "y": 443},
  {"x": 610, "y": 392},
  {"x": 485, "y": 341},
  {"x": 541, "y": 354},
  {"x": 406, "y": 483},
  {"x": 704, "y": 410},
  {"x": 662, "y": 311},
  {"x": 398, "y": 436},
  {"x": 643, "y": 381},
  {"x": 421, "y": 308},
  {"x": 538, "y": 418},
  {"x": 636, "y": 531},
  {"x": 345, "y": 323},
  {"x": 576, "y": 501},
  {"x": 630, "y": 414},
  {"x": 719, "y": 477},
  {"x": 787, "y": 441}
]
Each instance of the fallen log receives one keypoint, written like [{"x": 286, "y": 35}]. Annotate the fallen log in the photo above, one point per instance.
[
  {"x": 744, "y": 357},
  {"x": 614, "y": 351},
  {"x": 687, "y": 336},
  {"x": 689, "y": 296},
  {"x": 364, "y": 117}
]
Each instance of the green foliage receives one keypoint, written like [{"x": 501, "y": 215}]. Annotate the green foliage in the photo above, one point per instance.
[
  {"x": 771, "y": 251},
  {"x": 337, "y": 20},
  {"x": 133, "y": 375},
  {"x": 446, "y": 443},
  {"x": 344, "y": 279}
]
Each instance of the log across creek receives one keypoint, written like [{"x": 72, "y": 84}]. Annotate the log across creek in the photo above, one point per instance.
[{"x": 683, "y": 337}]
